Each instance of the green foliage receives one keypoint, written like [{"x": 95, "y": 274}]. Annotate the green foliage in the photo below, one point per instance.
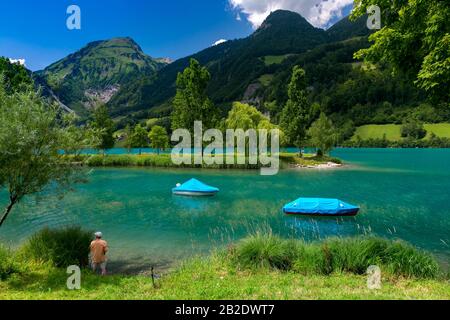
[
  {"x": 322, "y": 134},
  {"x": 295, "y": 117},
  {"x": 243, "y": 116},
  {"x": 32, "y": 135},
  {"x": 150, "y": 123},
  {"x": 104, "y": 126},
  {"x": 415, "y": 40},
  {"x": 61, "y": 247},
  {"x": 15, "y": 75},
  {"x": 160, "y": 161},
  {"x": 191, "y": 102},
  {"x": 413, "y": 128},
  {"x": 158, "y": 138},
  {"x": 8, "y": 263},
  {"x": 349, "y": 255},
  {"x": 307, "y": 160},
  {"x": 139, "y": 138},
  {"x": 346, "y": 131},
  {"x": 128, "y": 133}
]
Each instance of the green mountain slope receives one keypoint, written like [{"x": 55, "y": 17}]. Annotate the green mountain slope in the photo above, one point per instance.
[
  {"x": 346, "y": 29},
  {"x": 233, "y": 65},
  {"x": 96, "y": 72}
]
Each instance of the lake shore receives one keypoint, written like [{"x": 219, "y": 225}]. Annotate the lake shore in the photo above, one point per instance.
[
  {"x": 285, "y": 271},
  {"x": 287, "y": 160}
]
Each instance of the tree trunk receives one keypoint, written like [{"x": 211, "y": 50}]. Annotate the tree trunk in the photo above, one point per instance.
[{"x": 7, "y": 210}]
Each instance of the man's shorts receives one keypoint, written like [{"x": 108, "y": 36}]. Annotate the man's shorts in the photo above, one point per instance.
[{"x": 102, "y": 265}]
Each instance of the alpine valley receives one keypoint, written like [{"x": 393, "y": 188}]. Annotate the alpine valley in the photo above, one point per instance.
[{"x": 136, "y": 87}]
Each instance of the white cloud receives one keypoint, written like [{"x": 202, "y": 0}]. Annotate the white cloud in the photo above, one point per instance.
[
  {"x": 19, "y": 61},
  {"x": 219, "y": 42},
  {"x": 317, "y": 12}
]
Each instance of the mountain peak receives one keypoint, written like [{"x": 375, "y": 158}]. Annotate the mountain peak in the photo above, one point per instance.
[
  {"x": 285, "y": 18},
  {"x": 96, "y": 72}
]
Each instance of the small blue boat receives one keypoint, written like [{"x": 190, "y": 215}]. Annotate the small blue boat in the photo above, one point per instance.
[
  {"x": 320, "y": 207},
  {"x": 194, "y": 188}
]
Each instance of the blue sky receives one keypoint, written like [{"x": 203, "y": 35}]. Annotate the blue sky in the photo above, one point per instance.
[{"x": 36, "y": 30}]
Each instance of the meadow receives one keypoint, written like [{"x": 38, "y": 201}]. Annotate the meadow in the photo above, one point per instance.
[{"x": 393, "y": 131}]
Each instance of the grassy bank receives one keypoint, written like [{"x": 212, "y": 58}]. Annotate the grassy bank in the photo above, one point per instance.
[
  {"x": 212, "y": 279},
  {"x": 259, "y": 267},
  {"x": 165, "y": 161}
]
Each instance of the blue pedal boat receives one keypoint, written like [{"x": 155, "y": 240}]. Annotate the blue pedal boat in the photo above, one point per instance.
[
  {"x": 320, "y": 207},
  {"x": 194, "y": 188}
]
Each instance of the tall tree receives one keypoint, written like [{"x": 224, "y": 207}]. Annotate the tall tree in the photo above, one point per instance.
[
  {"x": 139, "y": 139},
  {"x": 322, "y": 134},
  {"x": 414, "y": 40},
  {"x": 191, "y": 102},
  {"x": 158, "y": 138},
  {"x": 32, "y": 135},
  {"x": 128, "y": 133},
  {"x": 105, "y": 127},
  {"x": 296, "y": 115}
]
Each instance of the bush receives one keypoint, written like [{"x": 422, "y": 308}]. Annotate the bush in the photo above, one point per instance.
[
  {"x": 414, "y": 129},
  {"x": 267, "y": 251},
  {"x": 8, "y": 264},
  {"x": 353, "y": 255},
  {"x": 62, "y": 248}
]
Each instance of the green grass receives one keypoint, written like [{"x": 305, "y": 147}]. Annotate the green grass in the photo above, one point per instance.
[
  {"x": 373, "y": 131},
  {"x": 393, "y": 131},
  {"x": 352, "y": 255},
  {"x": 213, "y": 278},
  {"x": 269, "y": 60},
  {"x": 266, "y": 79},
  {"x": 442, "y": 130},
  {"x": 8, "y": 263},
  {"x": 260, "y": 267}
]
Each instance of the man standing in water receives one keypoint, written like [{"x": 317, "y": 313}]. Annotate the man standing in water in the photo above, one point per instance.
[{"x": 99, "y": 248}]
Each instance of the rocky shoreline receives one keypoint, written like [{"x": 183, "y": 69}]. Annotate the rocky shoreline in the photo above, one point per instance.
[{"x": 328, "y": 165}]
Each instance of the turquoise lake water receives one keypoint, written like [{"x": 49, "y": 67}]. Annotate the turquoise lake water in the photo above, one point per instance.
[{"x": 403, "y": 194}]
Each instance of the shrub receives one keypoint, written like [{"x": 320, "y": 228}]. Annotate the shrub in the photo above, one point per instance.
[
  {"x": 353, "y": 255},
  {"x": 267, "y": 251},
  {"x": 8, "y": 264},
  {"x": 64, "y": 247},
  {"x": 414, "y": 129},
  {"x": 402, "y": 258}
]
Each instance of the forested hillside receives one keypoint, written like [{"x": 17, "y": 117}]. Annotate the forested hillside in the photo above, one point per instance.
[{"x": 257, "y": 70}]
